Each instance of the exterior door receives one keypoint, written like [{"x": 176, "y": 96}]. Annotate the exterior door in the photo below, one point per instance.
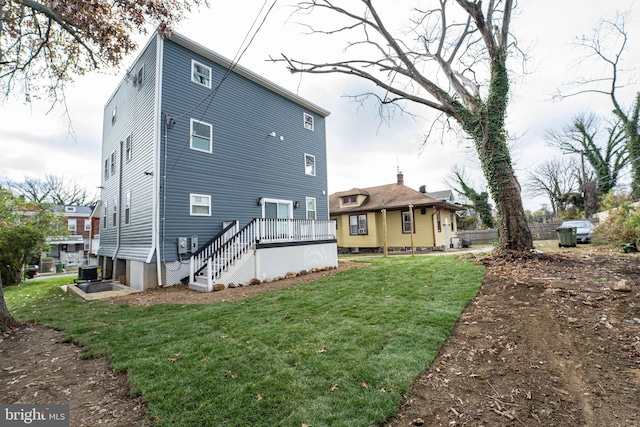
[{"x": 279, "y": 211}]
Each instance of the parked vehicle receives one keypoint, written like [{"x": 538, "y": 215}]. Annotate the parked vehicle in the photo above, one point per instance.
[
  {"x": 31, "y": 271},
  {"x": 584, "y": 229}
]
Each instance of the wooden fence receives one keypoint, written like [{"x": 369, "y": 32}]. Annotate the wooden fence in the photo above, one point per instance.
[{"x": 545, "y": 231}]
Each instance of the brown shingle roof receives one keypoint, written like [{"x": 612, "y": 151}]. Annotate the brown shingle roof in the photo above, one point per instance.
[{"x": 390, "y": 196}]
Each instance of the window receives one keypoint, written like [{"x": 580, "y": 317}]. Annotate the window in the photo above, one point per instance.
[
  {"x": 105, "y": 212},
  {"x": 311, "y": 207},
  {"x": 200, "y": 136},
  {"x": 201, "y": 74},
  {"x": 453, "y": 222},
  {"x": 114, "y": 213},
  {"x": 106, "y": 169},
  {"x": 309, "y": 165},
  {"x": 127, "y": 149},
  {"x": 439, "y": 222},
  {"x": 71, "y": 224},
  {"x": 86, "y": 244},
  {"x": 308, "y": 121},
  {"x": 112, "y": 164},
  {"x": 87, "y": 224},
  {"x": 127, "y": 209},
  {"x": 70, "y": 209},
  {"x": 349, "y": 199},
  {"x": 200, "y": 205},
  {"x": 406, "y": 223},
  {"x": 358, "y": 224},
  {"x": 138, "y": 79},
  {"x": 114, "y": 115}
]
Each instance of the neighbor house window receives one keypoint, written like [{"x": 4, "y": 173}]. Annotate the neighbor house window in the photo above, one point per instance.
[
  {"x": 453, "y": 223},
  {"x": 112, "y": 164},
  {"x": 127, "y": 149},
  {"x": 127, "y": 208},
  {"x": 87, "y": 225},
  {"x": 439, "y": 222},
  {"x": 105, "y": 213},
  {"x": 200, "y": 136},
  {"x": 358, "y": 224},
  {"x": 349, "y": 199},
  {"x": 406, "y": 223},
  {"x": 309, "y": 165},
  {"x": 71, "y": 224},
  {"x": 201, "y": 74},
  {"x": 106, "y": 169},
  {"x": 311, "y": 207},
  {"x": 307, "y": 121},
  {"x": 86, "y": 244},
  {"x": 114, "y": 213},
  {"x": 200, "y": 205}
]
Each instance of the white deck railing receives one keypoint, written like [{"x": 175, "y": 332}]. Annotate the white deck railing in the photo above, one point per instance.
[{"x": 217, "y": 256}]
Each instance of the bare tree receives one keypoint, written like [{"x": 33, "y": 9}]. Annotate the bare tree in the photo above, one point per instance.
[
  {"x": 52, "y": 189},
  {"x": 612, "y": 36},
  {"x": 584, "y": 137},
  {"x": 44, "y": 43},
  {"x": 554, "y": 179},
  {"x": 452, "y": 59}
]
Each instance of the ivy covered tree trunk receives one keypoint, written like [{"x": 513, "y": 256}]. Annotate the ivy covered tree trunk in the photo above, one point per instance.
[
  {"x": 487, "y": 128},
  {"x": 633, "y": 144},
  {"x": 6, "y": 320}
]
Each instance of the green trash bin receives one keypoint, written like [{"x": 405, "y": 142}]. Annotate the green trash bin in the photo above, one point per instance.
[
  {"x": 59, "y": 267},
  {"x": 567, "y": 237}
]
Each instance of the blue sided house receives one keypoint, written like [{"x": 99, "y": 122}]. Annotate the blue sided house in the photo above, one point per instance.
[{"x": 211, "y": 174}]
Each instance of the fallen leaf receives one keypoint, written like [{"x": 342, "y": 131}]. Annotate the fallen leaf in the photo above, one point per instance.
[
  {"x": 259, "y": 397},
  {"x": 383, "y": 390},
  {"x": 322, "y": 350},
  {"x": 364, "y": 385},
  {"x": 172, "y": 359},
  {"x": 231, "y": 374},
  {"x": 334, "y": 387}
]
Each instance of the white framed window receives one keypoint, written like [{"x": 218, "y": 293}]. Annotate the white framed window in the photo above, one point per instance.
[
  {"x": 70, "y": 209},
  {"x": 200, "y": 74},
  {"x": 406, "y": 223},
  {"x": 105, "y": 213},
  {"x": 87, "y": 244},
  {"x": 112, "y": 164},
  {"x": 72, "y": 224},
  {"x": 87, "y": 224},
  {"x": 128, "y": 148},
  {"x": 106, "y": 168},
  {"x": 201, "y": 136},
  {"x": 138, "y": 78},
  {"x": 114, "y": 213},
  {"x": 307, "y": 121},
  {"x": 199, "y": 205},
  {"x": 310, "y": 203},
  {"x": 358, "y": 224},
  {"x": 127, "y": 209},
  {"x": 309, "y": 165}
]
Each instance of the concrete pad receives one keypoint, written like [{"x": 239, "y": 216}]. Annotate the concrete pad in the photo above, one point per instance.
[{"x": 117, "y": 291}]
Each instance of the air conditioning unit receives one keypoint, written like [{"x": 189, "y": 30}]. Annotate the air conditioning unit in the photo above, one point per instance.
[{"x": 362, "y": 231}]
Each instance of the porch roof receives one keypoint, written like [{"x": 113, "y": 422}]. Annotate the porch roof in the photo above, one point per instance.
[{"x": 390, "y": 197}]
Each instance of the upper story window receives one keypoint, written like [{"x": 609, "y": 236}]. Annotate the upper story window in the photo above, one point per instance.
[
  {"x": 201, "y": 136},
  {"x": 106, "y": 168},
  {"x": 309, "y": 165},
  {"x": 114, "y": 213},
  {"x": 70, "y": 209},
  {"x": 105, "y": 212},
  {"x": 200, "y": 74},
  {"x": 308, "y": 121},
  {"x": 311, "y": 207},
  {"x": 138, "y": 78},
  {"x": 112, "y": 164},
  {"x": 200, "y": 205},
  {"x": 349, "y": 200},
  {"x": 87, "y": 224},
  {"x": 71, "y": 224},
  {"x": 127, "y": 209},
  {"x": 114, "y": 115},
  {"x": 128, "y": 149}
]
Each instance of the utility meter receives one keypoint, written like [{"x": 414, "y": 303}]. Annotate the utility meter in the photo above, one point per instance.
[{"x": 182, "y": 245}]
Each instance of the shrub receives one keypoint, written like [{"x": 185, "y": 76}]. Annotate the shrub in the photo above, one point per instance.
[{"x": 622, "y": 226}]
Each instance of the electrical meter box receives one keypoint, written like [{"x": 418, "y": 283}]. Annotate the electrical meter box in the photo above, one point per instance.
[
  {"x": 182, "y": 245},
  {"x": 194, "y": 244}
]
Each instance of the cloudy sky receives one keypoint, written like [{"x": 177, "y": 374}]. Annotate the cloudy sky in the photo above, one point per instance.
[{"x": 363, "y": 151}]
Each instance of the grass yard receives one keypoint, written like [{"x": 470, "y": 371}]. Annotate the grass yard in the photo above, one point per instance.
[{"x": 336, "y": 352}]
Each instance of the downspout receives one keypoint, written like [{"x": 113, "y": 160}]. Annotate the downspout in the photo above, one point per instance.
[
  {"x": 118, "y": 223},
  {"x": 156, "y": 206}
]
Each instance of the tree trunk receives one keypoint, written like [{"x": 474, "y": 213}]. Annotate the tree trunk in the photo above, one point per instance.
[
  {"x": 487, "y": 128},
  {"x": 6, "y": 320}
]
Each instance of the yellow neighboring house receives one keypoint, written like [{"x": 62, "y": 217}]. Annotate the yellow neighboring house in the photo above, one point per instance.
[{"x": 363, "y": 214}]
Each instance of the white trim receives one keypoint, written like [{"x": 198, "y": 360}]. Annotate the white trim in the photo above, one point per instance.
[
  {"x": 193, "y": 66},
  {"x": 191, "y": 135},
  {"x": 306, "y": 208},
  {"x": 304, "y": 121},
  {"x": 191, "y": 205}
]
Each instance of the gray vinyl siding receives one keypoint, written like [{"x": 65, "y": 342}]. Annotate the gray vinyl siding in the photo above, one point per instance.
[
  {"x": 246, "y": 162},
  {"x": 135, "y": 117}
]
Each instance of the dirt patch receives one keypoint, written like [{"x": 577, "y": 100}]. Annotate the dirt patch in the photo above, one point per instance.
[{"x": 547, "y": 341}]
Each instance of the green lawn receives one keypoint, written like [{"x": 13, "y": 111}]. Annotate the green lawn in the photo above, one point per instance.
[{"x": 335, "y": 352}]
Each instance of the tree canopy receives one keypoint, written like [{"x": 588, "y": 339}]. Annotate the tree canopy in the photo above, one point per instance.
[{"x": 44, "y": 43}]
